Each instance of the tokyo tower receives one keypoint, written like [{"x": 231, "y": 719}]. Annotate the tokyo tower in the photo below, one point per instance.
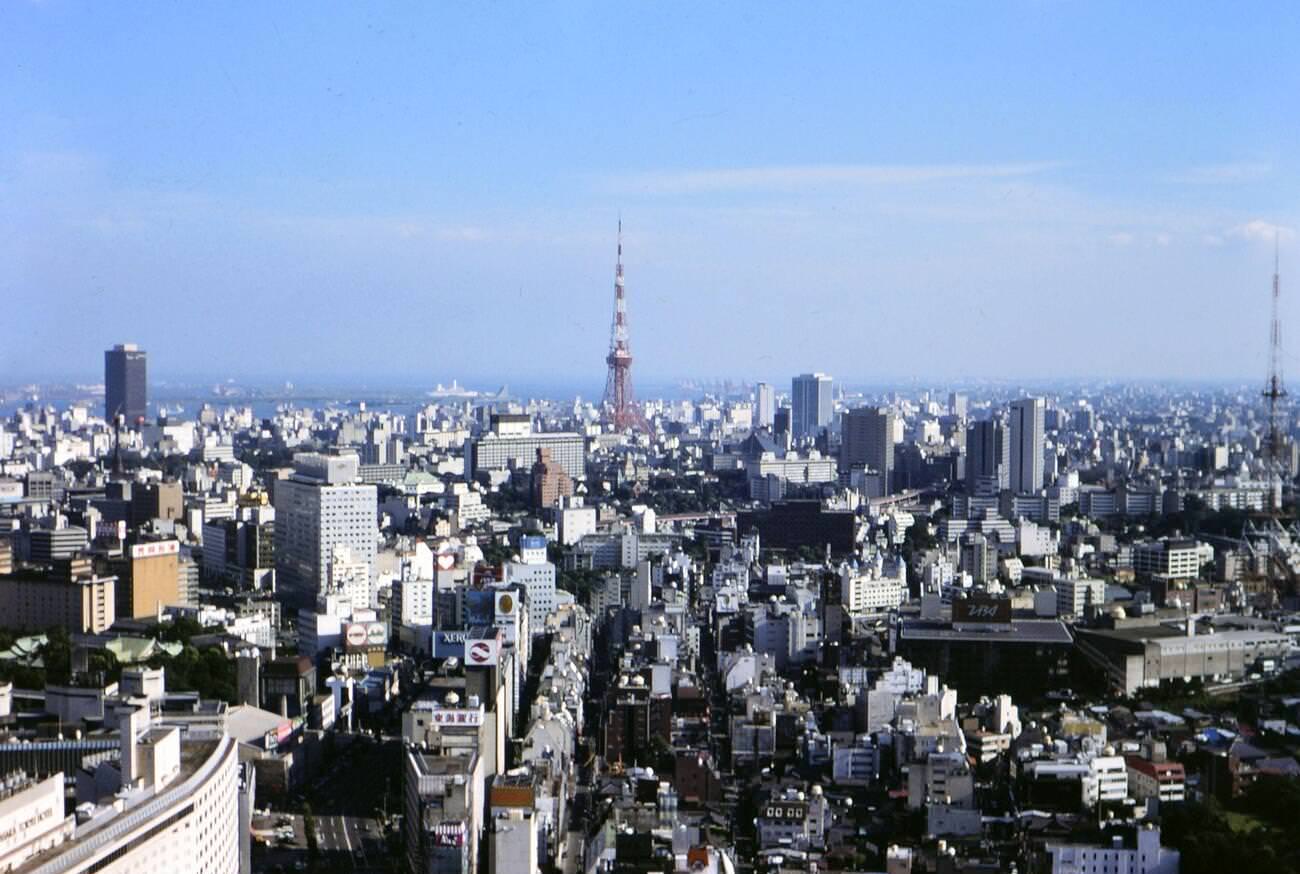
[{"x": 620, "y": 406}]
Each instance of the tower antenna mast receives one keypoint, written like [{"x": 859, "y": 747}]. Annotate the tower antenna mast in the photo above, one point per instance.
[
  {"x": 1274, "y": 391},
  {"x": 621, "y": 409}
]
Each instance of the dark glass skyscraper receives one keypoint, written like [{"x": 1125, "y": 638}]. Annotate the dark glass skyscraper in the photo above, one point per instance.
[
  {"x": 988, "y": 458},
  {"x": 125, "y": 393},
  {"x": 867, "y": 440}
]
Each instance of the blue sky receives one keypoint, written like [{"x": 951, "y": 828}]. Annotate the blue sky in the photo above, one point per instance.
[{"x": 426, "y": 191}]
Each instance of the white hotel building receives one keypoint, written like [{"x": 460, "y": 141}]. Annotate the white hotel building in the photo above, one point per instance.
[{"x": 167, "y": 806}]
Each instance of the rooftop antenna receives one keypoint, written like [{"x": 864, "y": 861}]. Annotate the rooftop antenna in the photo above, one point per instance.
[{"x": 1274, "y": 391}]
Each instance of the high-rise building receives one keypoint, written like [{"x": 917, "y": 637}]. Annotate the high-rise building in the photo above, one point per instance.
[
  {"x": 781, "y": 428},
  {"x": 867, "y": 440},
  {"x": 149, "y": 579},
  {"x": 957, "y": 404},
  {"x": 321, "y": 506},
  {"x": 979, "y": 558},
  {"x": 537, "y": 575},
  {"x": 811, "y": 404},
  {"x": 765, "y": 402},
  {"x": 125, "y": 391},
  {"x": 988, "y": 458},
  {"x": 1027, "y": 444},
  {"x": 550, "y": 481}
]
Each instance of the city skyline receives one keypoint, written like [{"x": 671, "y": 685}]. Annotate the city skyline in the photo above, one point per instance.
[
  {"x": 902, "y": 209},
  {"x": 649, "y": 437}
]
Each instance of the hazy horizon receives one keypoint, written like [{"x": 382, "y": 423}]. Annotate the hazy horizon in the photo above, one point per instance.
[{"x": 934, "y": 193}]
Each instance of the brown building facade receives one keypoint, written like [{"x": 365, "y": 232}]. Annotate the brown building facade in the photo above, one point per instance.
[
  {"x": 550, "y": 481},
  {"x": 150, "y": 579}
]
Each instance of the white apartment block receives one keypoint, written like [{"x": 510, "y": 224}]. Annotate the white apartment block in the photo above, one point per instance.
[
  {"x": 1166, "y": 781},
  {"x": 864, "y": 591},
  {"x": 1107, "y": 780},
  {"x": 1074, "y": 596},
  {"x": 1178, "y": 559}
]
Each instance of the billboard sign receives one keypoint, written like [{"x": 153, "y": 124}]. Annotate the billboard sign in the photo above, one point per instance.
[
  {"x": 362, "y": 636},
  {"x": 448, "y": 644},
  {"x": 149, "y": 550},
  {"x": 456, "y": 716},
  {"x": 481, "y": 652},
  {"x": 505, "y": 607},
  {"x": 982, "y": 610},
  {"x": 788, "y": 811}
]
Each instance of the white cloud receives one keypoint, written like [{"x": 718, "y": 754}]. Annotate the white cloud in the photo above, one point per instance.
[
  {"x": 1121, "y": 239},
  {"x": 1259, "y": 230},
  {"x": 795, "y": 178},
  {"x": 1163, "y": 239},
  {"x": 1215, "y": 174}
]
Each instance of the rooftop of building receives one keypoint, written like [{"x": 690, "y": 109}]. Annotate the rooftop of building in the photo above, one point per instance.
[
  {"x": 442, "y": 766},
  {"x": 1016, "y": 631},
  {"x": 250, "y": 725},
  {"x": 289, "y": 666},
  {"x": 1156, "y": 769},
  {"x": 1167, "y": 636}
]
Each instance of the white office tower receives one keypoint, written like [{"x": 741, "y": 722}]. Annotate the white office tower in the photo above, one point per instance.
[
  {"x": 764, "y": 406},
  {"x": 811, "y": 404},
  {"x": 537, "y": 576},
  {"x": 1027, "y": 442},
  {"x": 166, "y": 805},
  {"x": 320, "y": 506}
]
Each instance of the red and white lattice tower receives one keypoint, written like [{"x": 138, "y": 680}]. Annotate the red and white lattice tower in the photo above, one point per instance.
[{"x": 621, "y": 410}]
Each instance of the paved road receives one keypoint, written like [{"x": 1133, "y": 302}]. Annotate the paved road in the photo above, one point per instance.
[
  {"x": 347, "y": 836},
  {"x": 572, "y": 853},
  {"x": 351, "y": 843}
]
